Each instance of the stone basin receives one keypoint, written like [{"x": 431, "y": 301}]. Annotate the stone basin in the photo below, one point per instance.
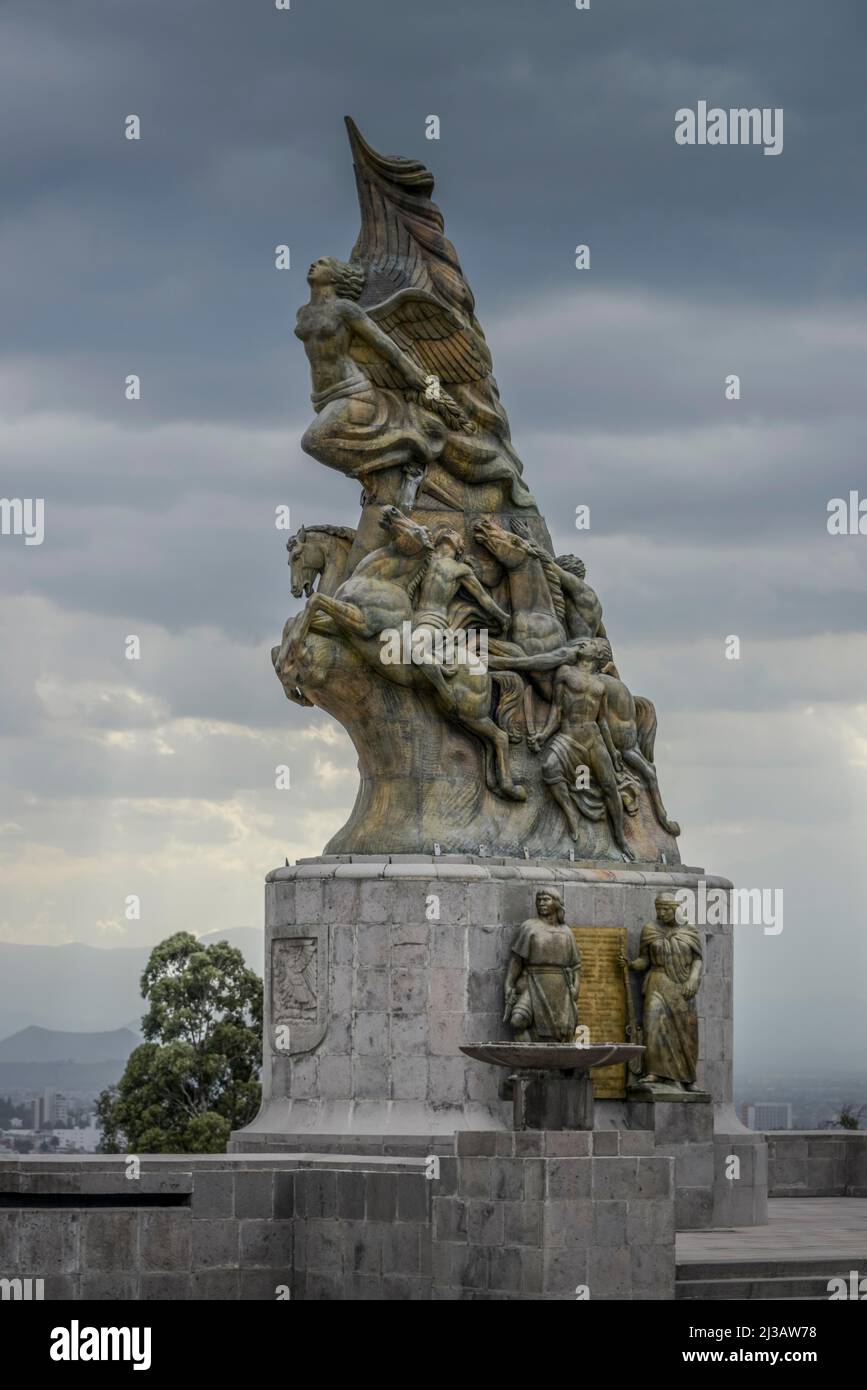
[{"x": 554, "y": 1056}]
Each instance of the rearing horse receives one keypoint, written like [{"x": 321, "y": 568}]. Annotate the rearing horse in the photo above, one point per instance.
[
  {"x": 319, "y": 551},
  {"x": 377, "y": 597},
  {"x": 536, "y": 599}
]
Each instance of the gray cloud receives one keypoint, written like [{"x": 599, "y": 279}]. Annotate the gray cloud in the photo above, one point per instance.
[{"x": 708, "y": 516}]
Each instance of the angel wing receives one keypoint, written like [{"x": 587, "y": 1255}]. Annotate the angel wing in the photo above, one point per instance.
[
  {"x": 430, "y": 333},
  {"x": 402, "y": 240}
]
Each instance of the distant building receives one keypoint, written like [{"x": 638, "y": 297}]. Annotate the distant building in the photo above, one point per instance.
[
  {"x": 49, "y": 1102},
  {"x": 767, "y": 1114}
]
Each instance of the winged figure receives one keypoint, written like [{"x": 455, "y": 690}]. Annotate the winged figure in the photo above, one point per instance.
[{"x": 400, "y": 368}]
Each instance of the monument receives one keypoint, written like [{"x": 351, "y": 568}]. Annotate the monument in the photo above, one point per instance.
[{"x": 509, "y": 862}]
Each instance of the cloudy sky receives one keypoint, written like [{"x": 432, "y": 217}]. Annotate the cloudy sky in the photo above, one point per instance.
[{"x": 156, "y": 257}]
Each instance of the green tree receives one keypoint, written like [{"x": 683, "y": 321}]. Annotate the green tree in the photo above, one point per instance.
[{"x": 195, "y": 1078}]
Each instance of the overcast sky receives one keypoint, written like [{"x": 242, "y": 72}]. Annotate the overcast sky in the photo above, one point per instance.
[{"x": 156, "y": 257}]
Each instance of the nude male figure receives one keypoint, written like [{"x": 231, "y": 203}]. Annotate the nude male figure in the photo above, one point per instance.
[
  {"x": 448, "y": 574},
  {"x": 578, "y": 722}
]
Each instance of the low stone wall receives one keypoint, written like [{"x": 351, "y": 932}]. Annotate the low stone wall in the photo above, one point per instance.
[
  {"x": 817, "y": 1163},
  {"x": 187, "y": 1227},
  {"x": 508, "y": 1216}
]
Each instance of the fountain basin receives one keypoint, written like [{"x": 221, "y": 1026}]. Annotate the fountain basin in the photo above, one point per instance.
[{"x": 554, "y": 1056}]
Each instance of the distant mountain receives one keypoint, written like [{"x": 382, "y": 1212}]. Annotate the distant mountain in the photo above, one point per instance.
[
  {"x": 76, "y": 988},
  {"x": 45, "y": 1045}
]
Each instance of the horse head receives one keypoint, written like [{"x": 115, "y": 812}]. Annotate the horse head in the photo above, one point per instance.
[
  {"x": 306, "y": 562},
  {"x": 407, "y": 537},
  {"x": 511, "y": 550}
]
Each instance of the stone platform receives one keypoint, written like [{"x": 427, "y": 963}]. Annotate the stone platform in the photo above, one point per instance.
[
  {"x": 806, "y": 1243},
  {"x": 378, "y": 969}
]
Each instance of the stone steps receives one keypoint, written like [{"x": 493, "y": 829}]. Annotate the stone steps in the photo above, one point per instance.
[{"x": 789, "y": 1279}]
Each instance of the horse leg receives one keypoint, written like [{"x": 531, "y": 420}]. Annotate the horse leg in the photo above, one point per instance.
[
  {"x": 647, "y": 772},
  {"x": 494, "y": 738},
  {"x": 346, "y": 618},
  {"x": 528, "y": 711}
]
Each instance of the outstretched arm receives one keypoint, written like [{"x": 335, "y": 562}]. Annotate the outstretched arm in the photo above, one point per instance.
[
  {"x": 362, "y": 324},
  {"x": 476, "y": 589},
  {"x": 541, "y": 661},
  {"x": 551, "y": 723}
]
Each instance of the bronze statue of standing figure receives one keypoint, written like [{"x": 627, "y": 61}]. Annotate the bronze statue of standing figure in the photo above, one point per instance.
[
  {"x": 670, "y": 957},
  {"x": 544, "y": 975}
]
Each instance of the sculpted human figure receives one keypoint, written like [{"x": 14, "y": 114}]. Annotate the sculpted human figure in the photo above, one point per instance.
[
  {"x": 670, "y": 957},
  {"x": 577, "y": 728},
  {"x": 544, "y": 975},
  {"x": 446, "y": 576},
  {"x": 441, "y": 631},
  {"x": 380, "y": 407},
  {"x": 583, "y": 608}
]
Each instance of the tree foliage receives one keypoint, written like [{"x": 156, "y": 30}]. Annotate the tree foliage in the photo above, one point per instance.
[{"x": 195, "y": 1078}]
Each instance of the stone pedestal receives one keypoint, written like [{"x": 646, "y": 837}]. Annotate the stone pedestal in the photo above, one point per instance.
[
  {"x": 379, "y": 968},
  {"x": 558, "y": 1102}
]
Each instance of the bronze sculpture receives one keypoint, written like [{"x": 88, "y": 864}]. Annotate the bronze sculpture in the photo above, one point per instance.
[
  {"x": 449, "y": 543},
  {"x": 670, "y": 958},
  {"x": 544, "y": 975}
]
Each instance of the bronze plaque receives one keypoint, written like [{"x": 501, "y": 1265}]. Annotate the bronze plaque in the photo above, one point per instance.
[{"x": 602, "y": 1000}]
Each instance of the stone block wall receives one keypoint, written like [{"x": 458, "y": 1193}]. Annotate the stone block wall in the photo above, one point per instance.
[
  {"x": 507, "y": 1217},
  {"x": 817, "y": 1163},
  {"x": 409, "y": 960},
  {"x": 555, "y": 1216},
  {"x": 187, "y": 1228}
]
